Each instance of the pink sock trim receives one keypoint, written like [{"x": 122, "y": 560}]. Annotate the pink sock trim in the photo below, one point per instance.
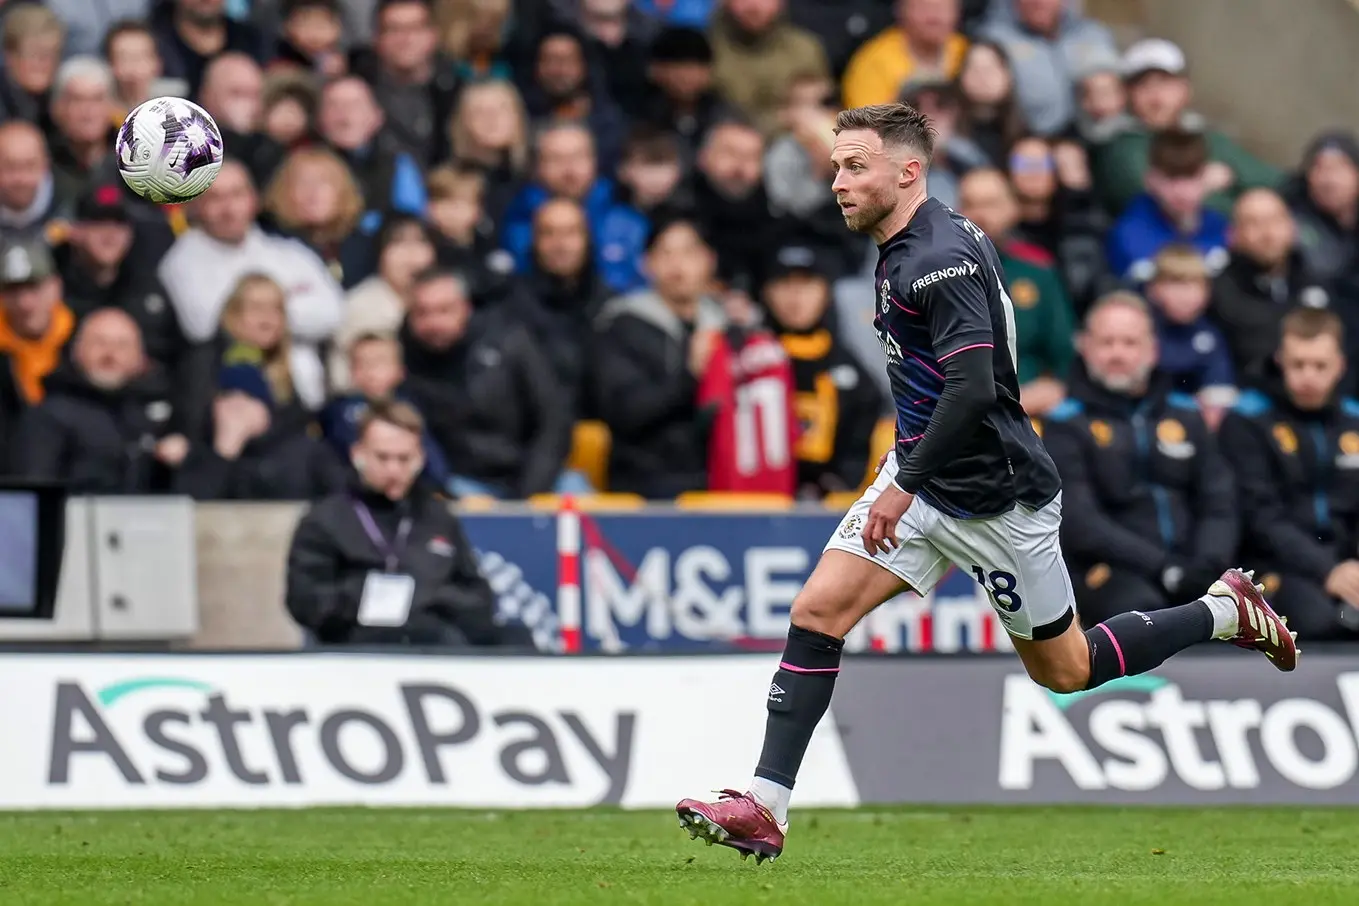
[
  {"x": 1122, "y": 665},
  {"x": 784, "y": 665}
]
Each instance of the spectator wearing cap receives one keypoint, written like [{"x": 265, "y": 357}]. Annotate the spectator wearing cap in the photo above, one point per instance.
[
  {"x": 1172, "y": 209},
  {"x": 1324, "y": 198},
  {"x": 756, "y": 53},
  {"x": 312, "y": 38},
  {"x": 731, "y": 204},
  {"x": 233, "y": 92},
  {"x": 129, "y": 47},
  {"x": 107, "y": 422},
  {"x": 682, "y": 98},
  {"x": 87, "y": 22},
  {"x": 565, "y": 167},
  {"x": 618, "y": 35},
  {"x": 32, "y": 38},
  {"x": 925, "y": 40},
  {"x": 1159, "y": 95},
  {"x": 350, "y": 122},
  {"x": 565, "y": 86},
  {"x": 83, "y": 116},
  {"x": 190, "y": 33},
  {"x": 1047, "y": 41},
  {"x": 489, "y": 132},
  {"x": 28, "y": 197},
  {"x": 837, "y": 402},
  {"x": 1044, "y": 321},
  {"x": 652, "y": 345}
]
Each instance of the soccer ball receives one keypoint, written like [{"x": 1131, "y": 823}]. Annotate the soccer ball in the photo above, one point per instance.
[{"x": 169, "y": 150}]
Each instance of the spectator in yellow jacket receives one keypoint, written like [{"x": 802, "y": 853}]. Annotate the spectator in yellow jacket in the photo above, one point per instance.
[{"x": 924, "y": 41}]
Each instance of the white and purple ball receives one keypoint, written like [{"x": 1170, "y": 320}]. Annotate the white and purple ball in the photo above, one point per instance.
[{"x": 169, "y": 150}]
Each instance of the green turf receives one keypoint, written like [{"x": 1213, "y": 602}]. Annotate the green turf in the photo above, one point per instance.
[{"x": 1044, "y": 857}]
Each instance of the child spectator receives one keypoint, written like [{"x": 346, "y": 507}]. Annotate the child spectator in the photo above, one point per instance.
[
  {"x": 1192, "y": 349},
  {"x": 256, "y": 360},
  {"x": 312, "y": 35},
  {"x": 289, "y": 109},
  {"x": 465, "y": 235}
]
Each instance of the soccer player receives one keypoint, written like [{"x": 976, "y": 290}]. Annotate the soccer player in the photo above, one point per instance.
[{"x": 968, "y": 482}]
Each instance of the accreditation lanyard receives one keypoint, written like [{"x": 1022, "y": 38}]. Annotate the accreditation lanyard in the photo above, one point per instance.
[{"x": 392, "y": 552}]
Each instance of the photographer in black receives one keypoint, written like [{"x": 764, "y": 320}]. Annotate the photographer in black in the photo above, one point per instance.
[{"x": 386, "y": 562}]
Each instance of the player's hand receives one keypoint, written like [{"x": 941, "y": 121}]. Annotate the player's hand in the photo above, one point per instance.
[
  {"x": 880, "y": 531},
  {"x": 1343, "y": 582}
]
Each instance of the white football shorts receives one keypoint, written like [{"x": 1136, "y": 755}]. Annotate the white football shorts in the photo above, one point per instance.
[{"x": 1016, "y": 556}]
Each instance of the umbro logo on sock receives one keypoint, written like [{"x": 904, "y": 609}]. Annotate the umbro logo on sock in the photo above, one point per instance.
[{"x": 776, "y": 692}]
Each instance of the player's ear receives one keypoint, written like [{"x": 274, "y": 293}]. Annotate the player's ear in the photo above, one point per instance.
[{"x": 911, "y": 170}]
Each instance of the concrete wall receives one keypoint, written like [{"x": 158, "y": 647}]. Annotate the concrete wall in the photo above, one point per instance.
[{"x": 242, "y": 552}]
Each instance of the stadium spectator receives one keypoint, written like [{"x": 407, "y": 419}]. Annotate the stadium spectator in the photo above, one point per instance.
[
  {"x": 413, "y": 83},
  {"x": 476, "y": 36},
  {"x": 1103, "y": 100},
  {"x": 679, "y": 13},
  {"x": 492, "y": 398},
  {"x": 465, "y": 236},
  {"x": 489, "y": 131},
  {"x": 938, "y": 98},
  {"x": 106, "y": 424},
  {"x": 651, "y": 346},
  {"x": 651, "y": 171},
  {"x": 28, "y": 198},
  {"x": 566, "y": 168},
  {"x": 233, "y": 92},
  {"x": 1171, "y": 210},
  {"x": 32, "y": 38},
  {"x": 257, "y": 354},
  {"x": 619, "y": 36},
  {"x": 129, "y": 48},
  {"x": 836, "y": 401},
  {"x": 311, "y": 38},
  {"x": 1159, "y": 95},
  {"x": 289, "y": 109},
  {"x": 206, "y": 262},
  {"x": 351, "y": 123},
  {"x": 314, "y": 197},
  {"x": 1264, "y": 278},
  {"x": 190, "y": 33},
  {"x": 1325, "y": 202},
  {"x": 989, "y": 114},
  {"x": 565, "y": 87},
  {"x": 1047, "y": 41},
  {"x": 82, "y": 114},
  {"x": 88, "y": 23},
  {"x": 1191, "y": 348},
  {"x": 756, "y": 53},
  {"x": 682, "y": 98},
  {"x": 35, "y": 324},
  {"x": 563, "y": 294},
  {"x": 378, "y": 304},
  {"x": 375, "y": 362},
  {"x": 1295, "y": 450},
  {"x": 1148, "y": 502},
  {"x": 1043, "y": 317},
  {"x": 924, "y": 41},
  {"x": 385, "y": 562},
  {"x": 731, "y": 204}
]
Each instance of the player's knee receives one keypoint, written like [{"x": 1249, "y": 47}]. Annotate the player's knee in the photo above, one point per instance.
[
  {"x": 820, "y": 612},
  {"x": 1064, "y": 678}
]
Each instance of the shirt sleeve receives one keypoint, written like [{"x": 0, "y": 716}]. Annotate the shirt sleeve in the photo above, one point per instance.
[{"x": 951, "y": 294}]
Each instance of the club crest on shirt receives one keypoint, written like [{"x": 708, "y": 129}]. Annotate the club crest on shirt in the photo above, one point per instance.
[
  {"x": 1171, "y": 439},
  {"x": 1349, "y": 451},
  {"x": 1286, "y": 439},
  {"x": 439, "y": 546}
]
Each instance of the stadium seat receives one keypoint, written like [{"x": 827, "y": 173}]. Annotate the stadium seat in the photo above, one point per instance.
[
  {"x": 840, "y": 500},
  {"x": 590, "y": 501},
  {"x": 884, "y": 435},
  {"x": 732, "y": 500},
  {"x": 476, "y": 503},
  {"x": 590, "y": 443}
]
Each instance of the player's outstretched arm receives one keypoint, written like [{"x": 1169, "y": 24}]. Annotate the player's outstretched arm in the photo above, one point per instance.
[{"x": 969, "y": 391}]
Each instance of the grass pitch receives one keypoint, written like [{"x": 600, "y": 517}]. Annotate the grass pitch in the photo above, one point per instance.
[{"x": 922, "y": 857}]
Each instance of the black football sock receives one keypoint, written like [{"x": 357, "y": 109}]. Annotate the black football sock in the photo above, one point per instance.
[
  {"x": 1136, "y": 642},
  {"x": 798, "y": 697}
]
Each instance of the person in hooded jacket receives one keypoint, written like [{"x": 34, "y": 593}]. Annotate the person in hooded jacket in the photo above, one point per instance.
[
  {"x": 106, "y": 423},
  {"x": 1324, "y": 198}
]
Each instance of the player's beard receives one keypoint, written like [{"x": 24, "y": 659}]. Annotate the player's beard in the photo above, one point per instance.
[{"x": 870, "y": 212}]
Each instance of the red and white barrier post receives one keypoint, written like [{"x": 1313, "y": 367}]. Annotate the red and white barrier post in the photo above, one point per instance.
[{"x": 568, "y": 575}]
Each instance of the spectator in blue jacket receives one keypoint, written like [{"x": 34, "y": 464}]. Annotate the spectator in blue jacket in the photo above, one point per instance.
[
  {"x": 565, "y": 166},
  {"x": 1193, "y": 350},
  {"x": 1171, "y": 210}
]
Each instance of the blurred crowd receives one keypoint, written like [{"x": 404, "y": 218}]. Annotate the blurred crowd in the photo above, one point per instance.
[{"x": 537, "y": 224}]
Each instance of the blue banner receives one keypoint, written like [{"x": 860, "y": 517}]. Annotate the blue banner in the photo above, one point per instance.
[{"x": 705, "y": 582}]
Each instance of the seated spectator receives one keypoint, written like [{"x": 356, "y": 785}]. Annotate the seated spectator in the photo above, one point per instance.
[
  {"x": 311, "y": 39},
  {"x": 1193, "y": 352},
  {"x": 1048, "y": 40},
  {"x": 1265, "y": 277},
  {"x": 651, "y": 172},
  {"x": 204, "y": 265},
  {"x": 106, "y": 424},
  {"x": 756, "y": 53},
  {"x": 954, "y": 155},
  {"x": 233, "y": 92},
  {"x": 682, "y": 98},
  {"x": 619, "y": 36},
  {"x": 565, "y": 168},
  {"x": 493, "y": 402},
  {"x": 925, "y": 41},
  {"x": 378, "y": 304},
  {"x": 378, "y": 372},
  {"x": 314, "y": 197},
  {"x": 350, "y": 122},
  {"x": 1103, "y": 101},
  {"x": 28, "y": 198},
  {"x": 1159, "y": 95},
  {"x": 1150, "y": 509},
  {"x": 489, "y": 132},
  {"x": 1325, "y": 201},
  {"x": 1295, "y": 450},
  {"x": 475, "y": 36},
  {"x": 731, "y": 205},
  {"x": 651, "y": 347},
  {"x": 564, "y": 87},
  {"x": 988, "y": 114},
  {"x": 385, "y": 562},
  {"x": 190, "y": 33},
  {"x": 1043, "y": 318},
  {"x": 83, "y": 113},
  {"x": 465, "y": 237},
  {"x": 32, "y": 38},
  {"x": 257, "y": 350},
  {"x": 564, "y": 294},
  {"x": 129, "y": 48},
  {"x": 1171, "y": 211},
  {"x": 88, "y": 24},
  {"x": 837, "y": 403},
  {"x": 289, "y": 109}
]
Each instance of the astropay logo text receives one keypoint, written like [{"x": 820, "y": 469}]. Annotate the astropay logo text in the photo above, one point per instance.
[{"x": 1114, "y": 741}]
